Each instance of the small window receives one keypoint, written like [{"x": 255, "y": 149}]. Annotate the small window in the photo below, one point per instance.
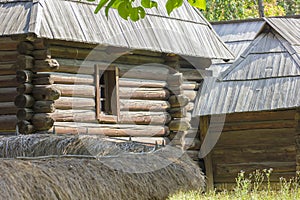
[{"x": 107, "y": 98}]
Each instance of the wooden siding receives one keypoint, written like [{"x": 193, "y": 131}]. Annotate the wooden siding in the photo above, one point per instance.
[
  {"x": 257, "y": 140},
  {"x": 8, "y": 83}
]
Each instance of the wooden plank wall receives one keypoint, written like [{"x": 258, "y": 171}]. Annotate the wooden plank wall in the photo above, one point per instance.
[
  {"x": 257, "y": 140},
  {"x": 8, "y": 83}
]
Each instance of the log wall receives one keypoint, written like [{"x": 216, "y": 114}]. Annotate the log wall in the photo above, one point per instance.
[
  {"x": 250, "y": 141},
  {"x": 8, "y": 83}
]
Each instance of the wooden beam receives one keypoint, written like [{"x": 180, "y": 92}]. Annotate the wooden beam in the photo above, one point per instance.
[{"x": 204, "y": 124}]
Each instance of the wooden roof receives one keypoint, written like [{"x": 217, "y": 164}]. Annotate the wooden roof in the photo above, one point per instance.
[
  {"x": 185, "y": 32},
  {"x": 265, "y": 77},
  {"x": 237, "y": 35}
]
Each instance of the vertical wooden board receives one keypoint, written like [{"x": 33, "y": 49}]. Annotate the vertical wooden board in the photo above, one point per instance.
[
  {"x": 204, "y": 124},
  {"x": 97, "y": 92}
]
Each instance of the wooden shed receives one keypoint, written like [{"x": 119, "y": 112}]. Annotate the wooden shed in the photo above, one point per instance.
[
  {"x": 66, "y": 70},
  {"x": 258, "y": 98}
]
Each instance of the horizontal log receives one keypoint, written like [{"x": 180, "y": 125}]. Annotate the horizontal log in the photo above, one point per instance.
[
  {"x": 24, "y": 62},
  {"x": 62, "y": 78},
  {"x": 234, "y": 169},
  {"x": 178, "y": 101},
  {"x": 7, "y": 108},
  {"x": 7, "y": 71},
  {"x": 8, "y": 55},
  {"x": 112, "y": 130},
  {"x": 257, "y": 137},
  {"x": 139, "y": 59},
  {"x": 76, "y": 90},
  {"x": 236, "y": 126},
  {"x": 44, "y": 106},
  {"x": 75, "y": 103},
  {"x": 25, "y": 127},
  {"x": 143, "y": 93},
  {"x": 148, "y": 72},
  {"x": 175, "y": 79},
  {"x": 190, "y": 106},
  {"x": 7, "y": 94},
  {"x": 8, "y": 123},
  {"x": 46, "y": 65},
  {"x": 42, "y": 121},
  {"x": 7, "y": 44},
  {"x": 255, "y": 154},
  {"x": 261, "y": 116},
  {"x": 179, "y": 125},
  {"x": 25, "y": 47},
  {"x": 25, "y": 114},
  {"x": 153, "y": 118},
  {"x": 177, "y": 112},
  {"x": 142, "y": 105},
  {"x": 190, "y": 85},
  {"x": 46, "y": 92},
  {"x": 24, "y": 76},
  {"x": 127, "y": 82},
  {"x": 194, "y": 74},
  {"x": 175, "y": 90},
  {"x": 25, "y": 88},
  {"x": 24, "y": 101},
  {"x": 81, "y": 45},
  {"x": 72, "y": 116},
  {"x": 191, "y": 94},
  {"x": 8, "y": 81}
]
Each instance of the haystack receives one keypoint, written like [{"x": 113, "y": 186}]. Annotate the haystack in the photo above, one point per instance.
[
  {"x": 90, "y": 167},
  {"x": 43, "y": 145}
]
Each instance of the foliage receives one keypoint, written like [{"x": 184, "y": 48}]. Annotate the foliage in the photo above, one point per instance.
[
  {"x": 235, "y": 9},
  {"x": 129, "y": 9},
  {"x": 255, "y": 186}
]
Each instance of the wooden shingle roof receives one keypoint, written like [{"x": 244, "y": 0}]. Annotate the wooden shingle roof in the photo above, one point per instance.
[
  {"x": 237, "y": 35},
  {"x": 185, "y": 32},
  {"x": 265, "y": 77}
]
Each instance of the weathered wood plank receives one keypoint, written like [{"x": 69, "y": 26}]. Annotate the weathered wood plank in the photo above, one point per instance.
[
  {"x": 142, "y": 105},
  {"x": 112, "y": 130},
  {"x": 144, "y": 93}
]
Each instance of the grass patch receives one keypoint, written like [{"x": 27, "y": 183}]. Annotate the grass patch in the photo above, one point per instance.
[{"x": 255, "y": 186}]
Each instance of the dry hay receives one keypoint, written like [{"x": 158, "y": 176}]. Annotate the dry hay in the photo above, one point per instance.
[
  {"x": 70, "y": 178},
  {"x": 108, "y": 170},
  {"x": 42, "y": 145}
]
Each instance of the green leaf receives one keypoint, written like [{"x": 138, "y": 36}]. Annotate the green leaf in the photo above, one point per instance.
[
  {"x": 198, "y": 4},
  {"x": 109, "y": 5},
  {"x": 142, "y": 12},
  {"x": 172, "y": 4},
  {"x": 123, "y": 10},
  {"x": 100, "y": 5},
  {"x": 134, "y": 14},
  {"x": 149, "y": 4}
]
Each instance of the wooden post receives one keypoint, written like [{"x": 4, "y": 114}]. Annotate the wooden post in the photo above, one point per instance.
[
  {"x": 297, "y": 138},
  {"x": 204, "y": 124}
]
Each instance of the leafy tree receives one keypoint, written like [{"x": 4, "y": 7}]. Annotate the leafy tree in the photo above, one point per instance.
[
  {"x": 242, "y": 9},
  {"x": 129, "y": 9}
]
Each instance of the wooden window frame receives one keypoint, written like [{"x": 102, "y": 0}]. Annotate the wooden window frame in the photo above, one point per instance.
[{"x": 112, "y": 101}]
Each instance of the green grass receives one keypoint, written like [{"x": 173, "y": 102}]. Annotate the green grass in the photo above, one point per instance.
[{"x": 255, "y": 186}]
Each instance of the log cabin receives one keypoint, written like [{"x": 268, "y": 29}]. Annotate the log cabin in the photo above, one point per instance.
[
  {"x": 250, "y": 113},
  {"x": 65, "y": 70}
]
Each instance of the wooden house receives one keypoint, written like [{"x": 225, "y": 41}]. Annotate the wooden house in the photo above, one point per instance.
[
  {"x": 258, "y": 98},
  {"x": 66, "y": 70}
]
